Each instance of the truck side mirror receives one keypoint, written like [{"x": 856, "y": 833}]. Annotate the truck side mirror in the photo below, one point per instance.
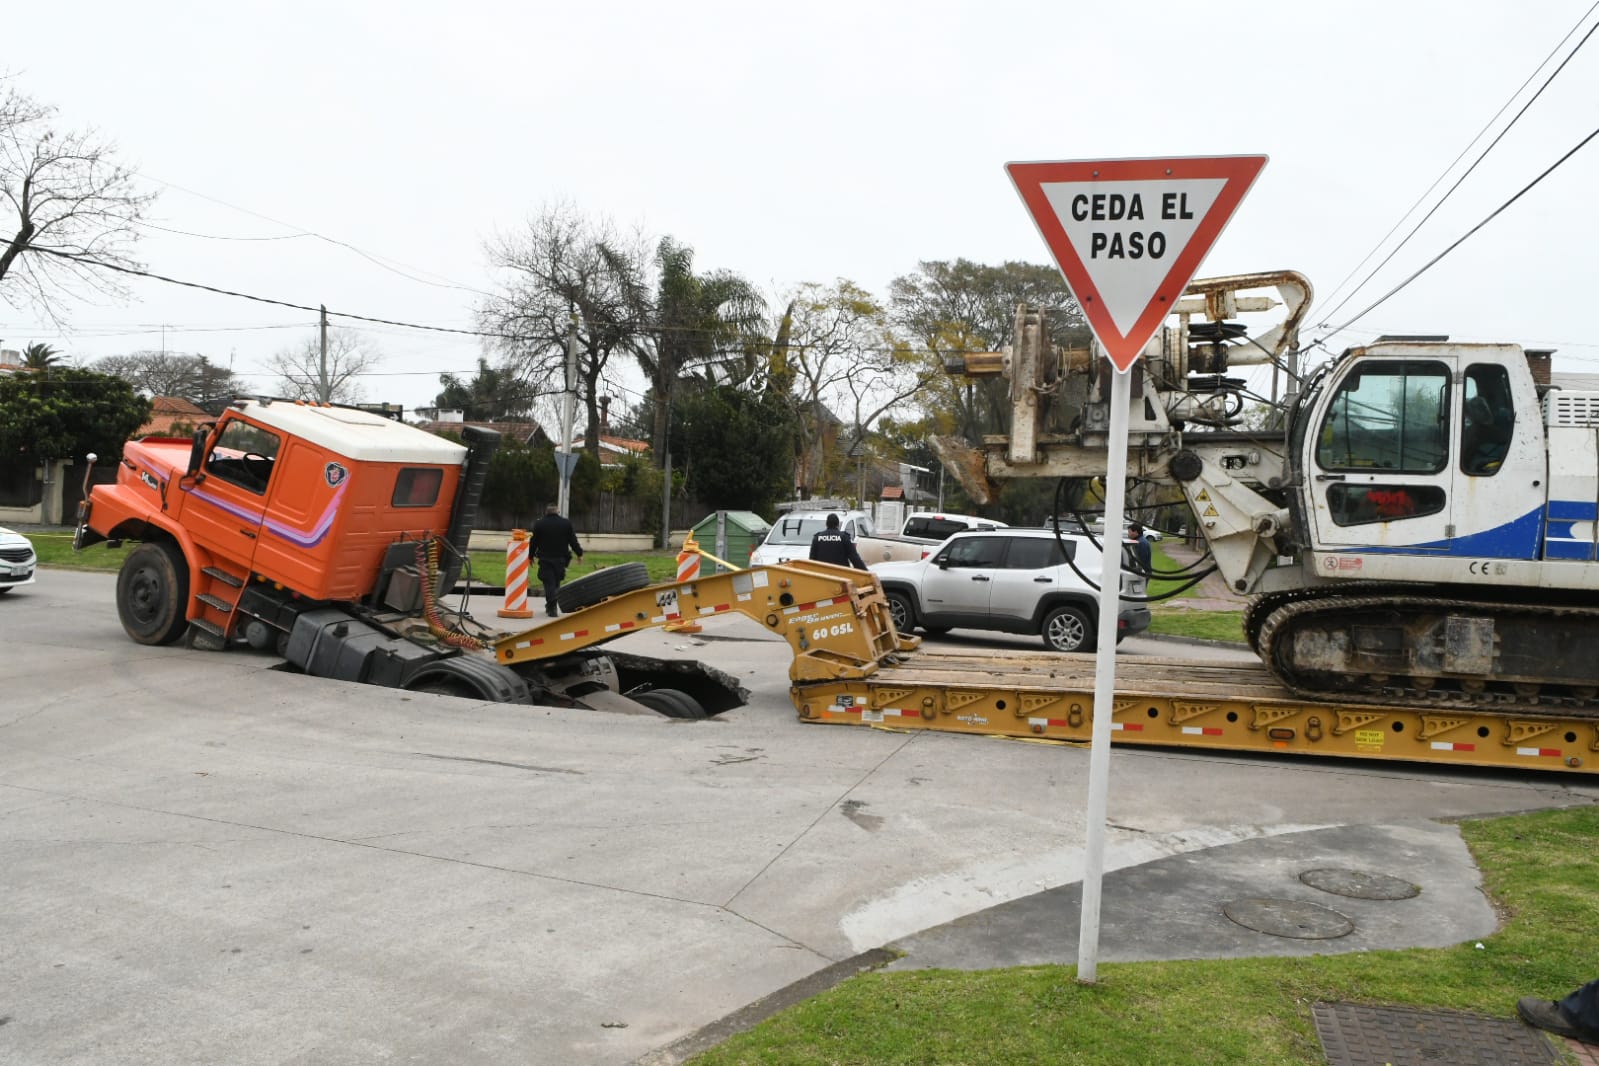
[{"x": 197, "y": 449}]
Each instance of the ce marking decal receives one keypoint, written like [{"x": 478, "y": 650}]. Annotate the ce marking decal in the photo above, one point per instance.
[{"x": 1486, "y": 568}]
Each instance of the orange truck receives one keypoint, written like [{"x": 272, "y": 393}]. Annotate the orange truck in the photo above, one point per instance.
[{"x": 329, "y": 535}]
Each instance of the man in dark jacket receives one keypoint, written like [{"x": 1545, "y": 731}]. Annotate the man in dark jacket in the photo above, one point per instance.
[
  {"x": 836, "y": 546},
  {"x": 553, "y": 545},
  {"x": 1576, "y": 1016},
  {"x": 1138, "y": 541}
]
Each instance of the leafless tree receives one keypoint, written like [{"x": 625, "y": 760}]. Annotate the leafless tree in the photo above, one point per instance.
[
  {"x": 303, "y": 376},
  {"x": 565, "y": 263},
  {"x": 189, "y": 376},
  {"x": 67, "y": 209},
  {"x": 847, "y": 368}
]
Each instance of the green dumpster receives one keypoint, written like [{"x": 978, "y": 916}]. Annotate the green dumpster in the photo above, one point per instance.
[{"x": 730, "y": 535}]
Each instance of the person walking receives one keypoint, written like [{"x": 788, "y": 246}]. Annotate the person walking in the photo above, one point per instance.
[
  {"x": 836, "y": 546},
  {"x": 1142, "y": 552},
  {"x": 1576, "y": 1016},
  {"x": 553, "y": 545}
]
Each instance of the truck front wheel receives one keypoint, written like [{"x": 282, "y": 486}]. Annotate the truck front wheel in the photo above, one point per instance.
[{"x": 153, "y": 593}]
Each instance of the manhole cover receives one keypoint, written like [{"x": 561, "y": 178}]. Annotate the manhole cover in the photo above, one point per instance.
[
  {"x": 1289, "y": 917},
  {"x": 1359, "y": 884},
  {"x": 1356, "y": 1036}
]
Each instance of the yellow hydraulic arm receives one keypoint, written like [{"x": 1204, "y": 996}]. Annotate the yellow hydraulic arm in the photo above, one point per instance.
[{"x": 835, "y": 619}]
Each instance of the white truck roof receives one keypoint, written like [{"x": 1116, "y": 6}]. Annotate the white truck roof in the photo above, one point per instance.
[{"x": 355, "y": 434}]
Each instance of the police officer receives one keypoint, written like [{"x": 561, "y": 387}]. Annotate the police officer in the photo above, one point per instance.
[
  {"x": 836, "y": 546},
  {"x": 553, "y": 545}
]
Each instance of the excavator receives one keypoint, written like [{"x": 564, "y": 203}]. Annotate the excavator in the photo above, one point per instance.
[{"x": 1414, "y": 522}]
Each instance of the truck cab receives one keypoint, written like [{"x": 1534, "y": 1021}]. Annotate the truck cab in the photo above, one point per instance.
[{"x": 304, "y": 497}]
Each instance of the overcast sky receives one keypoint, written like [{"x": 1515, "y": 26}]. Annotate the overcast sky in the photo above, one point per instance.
[{"x": 795, "y": 143}]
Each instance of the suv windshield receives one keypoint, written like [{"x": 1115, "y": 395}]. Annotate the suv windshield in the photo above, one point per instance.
[{"x": 795, "y": 530}]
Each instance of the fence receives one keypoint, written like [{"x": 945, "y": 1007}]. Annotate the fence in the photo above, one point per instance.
[{"x": 609, "y": 513}]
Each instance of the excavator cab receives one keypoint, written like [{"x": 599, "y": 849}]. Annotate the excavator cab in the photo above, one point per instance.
[{"x": 1422, "y": 449}]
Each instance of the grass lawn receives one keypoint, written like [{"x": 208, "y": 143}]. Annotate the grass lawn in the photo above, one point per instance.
[
  {"x": 55, "y": 549},
  {"x": 1538, "y": 870},
  {"x": 1205, "y": 625}
]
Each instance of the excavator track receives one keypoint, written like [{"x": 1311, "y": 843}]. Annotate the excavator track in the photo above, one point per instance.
[{"x": 1421, "y": 649}]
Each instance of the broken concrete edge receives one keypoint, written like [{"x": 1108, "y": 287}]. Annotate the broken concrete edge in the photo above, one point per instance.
[{"x": 748, "y": 1017}]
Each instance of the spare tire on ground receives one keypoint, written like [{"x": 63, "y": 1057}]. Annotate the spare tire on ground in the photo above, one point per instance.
[{"x": 590, "y": 589}]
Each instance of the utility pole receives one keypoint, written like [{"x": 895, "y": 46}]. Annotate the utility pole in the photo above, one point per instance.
[
  {"x": 323, "y": 392},
  {"x": 567, "y": 458}
]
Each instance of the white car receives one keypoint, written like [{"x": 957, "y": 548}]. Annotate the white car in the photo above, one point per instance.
[
  {"x": 1014, "y": 581},
  {"x": 17, "y": 561}
]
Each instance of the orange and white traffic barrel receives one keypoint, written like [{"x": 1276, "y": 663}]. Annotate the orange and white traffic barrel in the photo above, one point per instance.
[
  {"x": 688, "y": 569},
  {"x": 688, "y": 561},
  {"x": 516, "y": 570}
]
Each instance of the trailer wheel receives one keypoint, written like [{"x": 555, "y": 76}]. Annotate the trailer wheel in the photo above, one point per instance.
[
  {"x": 590, "y": 589},
  {"x": 674, "y": 703},
  {"x": 900, "y": 610},
  {"x": 153, "y": 593},
  {"x": 1067, "y": 629}
]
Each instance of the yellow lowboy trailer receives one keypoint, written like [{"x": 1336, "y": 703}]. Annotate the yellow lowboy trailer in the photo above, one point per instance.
[{"x": 851, "y": 667}]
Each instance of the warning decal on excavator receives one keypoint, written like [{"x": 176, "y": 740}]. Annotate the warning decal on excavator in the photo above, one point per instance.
[
  {"x": 1203, "y": 496},
  {"x": 1129, "y": 234},
  {"x": 1209, "y": 512}
]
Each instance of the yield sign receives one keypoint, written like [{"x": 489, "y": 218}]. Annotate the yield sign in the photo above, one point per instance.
[{"x": 1129, "y": 234}]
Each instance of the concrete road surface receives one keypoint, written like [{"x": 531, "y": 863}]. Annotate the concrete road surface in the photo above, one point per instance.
[{"x": 204, "y": 859}]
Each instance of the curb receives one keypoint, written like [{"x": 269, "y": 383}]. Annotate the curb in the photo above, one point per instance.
[{"x": 748, "y": 1017}]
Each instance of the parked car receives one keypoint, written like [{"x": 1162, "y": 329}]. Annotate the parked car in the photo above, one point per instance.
[
  {"x": 1011, "y": 581},
  {"x": 17, "y": 561},
  {"x": 790, "y": 537}
]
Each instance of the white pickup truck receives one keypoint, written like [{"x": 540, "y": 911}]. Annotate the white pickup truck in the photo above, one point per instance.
[{"x": 919, "y": 537}]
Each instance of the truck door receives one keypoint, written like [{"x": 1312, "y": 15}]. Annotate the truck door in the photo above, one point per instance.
[
  {"x": 1378, "y": 466},
  {"x": 1500, "y": 470},
  {"x": 960, "y": 578},
  {"x": 223, "y": 511}
]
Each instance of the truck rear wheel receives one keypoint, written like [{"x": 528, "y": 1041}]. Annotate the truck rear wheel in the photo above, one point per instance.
[
  {"x": 153, "y": 593},
  {"x": 590, "y": 589},
  {"x": 674, "y": 703}
]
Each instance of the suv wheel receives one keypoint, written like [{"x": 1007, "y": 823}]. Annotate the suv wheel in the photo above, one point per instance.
[
  {"x": 1067, "y": 629},
  {"x": 899, "y": 608}
]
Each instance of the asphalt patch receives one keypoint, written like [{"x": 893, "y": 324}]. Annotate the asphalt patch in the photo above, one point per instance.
[{"x": 1353, "y": 1035}]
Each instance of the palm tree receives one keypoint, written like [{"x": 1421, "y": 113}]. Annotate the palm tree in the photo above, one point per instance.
[
  {"x": 38, "y": 356},
  {"x": 490, "y": 396},
  {"x": 697, "y": 318}
]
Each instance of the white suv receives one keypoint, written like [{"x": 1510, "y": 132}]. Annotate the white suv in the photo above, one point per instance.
[{"x": 1013, "y": 581}]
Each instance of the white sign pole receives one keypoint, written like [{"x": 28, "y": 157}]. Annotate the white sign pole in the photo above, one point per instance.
[{"x": 1110, "y": 581}]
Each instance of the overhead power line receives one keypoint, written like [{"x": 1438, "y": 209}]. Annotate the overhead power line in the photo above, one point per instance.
[
  {"x": 1468, "y": 171},
  {"x": 1497, "y": 211}
]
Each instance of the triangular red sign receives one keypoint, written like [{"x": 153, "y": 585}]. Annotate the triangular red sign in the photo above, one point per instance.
[{"x": 1129, "y": 234}]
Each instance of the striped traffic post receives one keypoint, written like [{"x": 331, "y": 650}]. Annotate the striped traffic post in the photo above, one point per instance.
[
  {"x": 688, "y": 560},
  {"x": 516, "y": 567},
  {"x": 688, "y": 569}
]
